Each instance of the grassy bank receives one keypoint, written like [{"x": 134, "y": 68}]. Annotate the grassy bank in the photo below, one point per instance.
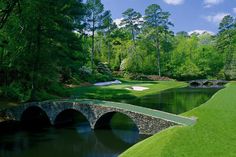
[
  {"x": 213, "y": 135},
  {"x": 119, "y": 91},
  {"x": 112, "y": 92}
]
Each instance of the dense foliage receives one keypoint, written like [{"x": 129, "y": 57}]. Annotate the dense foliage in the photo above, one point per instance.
[
  {"x": 39, "y": 48},
  {"x": 46, "y": 44},
  {"x": 146, "y": 44}
]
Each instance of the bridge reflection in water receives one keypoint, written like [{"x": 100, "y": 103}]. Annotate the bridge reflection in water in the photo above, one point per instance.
[
  {"x": 73, "y": 137},
  {"x": 64, "y": 142}
]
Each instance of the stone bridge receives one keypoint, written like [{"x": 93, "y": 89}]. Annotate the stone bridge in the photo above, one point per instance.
[
  {"x": 207, "y": 83},
  {"x": 99, "y": 113}
]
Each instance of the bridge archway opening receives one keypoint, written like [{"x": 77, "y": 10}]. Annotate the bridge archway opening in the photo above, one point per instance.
[
  {"x": 72, "y": 118},
  {"x": 34, "y": 117},
  {"x": 116, "y": 120},
  {"x": 120, "y": 124},
  {"x": 195, "y": 84},
  {"x": 208, "y": 84},
  {"x": 221, "y": 83}
]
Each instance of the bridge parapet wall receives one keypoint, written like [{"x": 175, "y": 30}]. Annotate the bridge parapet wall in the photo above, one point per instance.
[
  {"x": 145, "y": 123},
  {"x": 207, "y": 83}
]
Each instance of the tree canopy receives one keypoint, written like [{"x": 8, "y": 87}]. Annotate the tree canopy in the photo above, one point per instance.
[{"x": 47, "y": 44}]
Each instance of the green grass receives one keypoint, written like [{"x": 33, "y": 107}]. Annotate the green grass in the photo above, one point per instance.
[
  {"x": 214, "y": 134},
  {"x": 115, "y": 92}
]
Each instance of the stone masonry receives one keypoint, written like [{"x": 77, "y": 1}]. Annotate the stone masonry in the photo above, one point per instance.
[{"x": 146, "y": 124}]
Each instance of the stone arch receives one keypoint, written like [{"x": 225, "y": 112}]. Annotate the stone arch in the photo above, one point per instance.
[
  {"x": 208, "y": 83},
  {"x": 35, "y": 116},
  {"x": 70, "y": 115},
  {"x": 104, "y": 120},
  {"x": 220, "y": 83},
  {"x": 195, "y": 84}
]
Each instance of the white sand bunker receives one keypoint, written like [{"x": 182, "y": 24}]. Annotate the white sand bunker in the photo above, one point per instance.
[{"x": 137, "y": 88}]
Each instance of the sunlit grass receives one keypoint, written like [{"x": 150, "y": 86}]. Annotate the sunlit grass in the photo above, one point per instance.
[
  {"x": 119, "y": 91},
  {"x": 213, "y": 135}
]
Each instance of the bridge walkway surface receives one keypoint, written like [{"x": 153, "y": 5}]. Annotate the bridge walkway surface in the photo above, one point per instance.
[{"x": 138, "y": 109}]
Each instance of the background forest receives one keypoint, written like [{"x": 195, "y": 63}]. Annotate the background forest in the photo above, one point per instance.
[{"x": 46, "y": 44}]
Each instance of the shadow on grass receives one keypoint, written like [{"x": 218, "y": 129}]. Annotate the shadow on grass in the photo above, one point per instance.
[
  {"x": 138, "y": 82},
  {"x": 102, "y": 93}
]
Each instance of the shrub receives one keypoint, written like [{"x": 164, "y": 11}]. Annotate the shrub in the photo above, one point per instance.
[
  {"x": 85, "y": 72},
  {"x": 103, "y": 69},
  {"x": 221, "y": 75},
  {"x": 143, "y": 77},
  {"x": 15, "y": 91},
  {"x": 98, "y": 77}
]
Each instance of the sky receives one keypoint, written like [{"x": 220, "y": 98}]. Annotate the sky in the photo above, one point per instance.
[{"x": 187, "y": 15}]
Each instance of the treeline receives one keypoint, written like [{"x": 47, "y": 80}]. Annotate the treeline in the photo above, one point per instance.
[
  {"x": 45, "y": 44},
  {"x": 146, "y": 45}
]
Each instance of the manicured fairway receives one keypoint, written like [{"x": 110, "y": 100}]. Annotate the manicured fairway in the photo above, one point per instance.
[
  {"x": 214, "y": 134},
  {"x": 119, "y": 91}
]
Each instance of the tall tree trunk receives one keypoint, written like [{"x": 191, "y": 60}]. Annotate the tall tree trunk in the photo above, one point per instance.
[
  {"x": 109, "y": 53},
  {"x": 133, "y": 38},
  {"x": 36, "y": 65},
  {"x": 229, "y": 53},
  {"x": 158, "y": 57},
  {"x": 6, "y": 84},
  {"x": 93, "y": 45},
  {"x": 2, "y": 55},
  {"x": 230, "y": 60},
  {"x": 4, "y": 69}
]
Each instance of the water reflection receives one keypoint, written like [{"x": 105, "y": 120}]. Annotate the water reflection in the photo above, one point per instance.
[
  {"x": 176, "y": 100},
  {"x": 73, "y": 141},
  {"x": 128, "y": 137},
  {"x": 73, "y": 136}
]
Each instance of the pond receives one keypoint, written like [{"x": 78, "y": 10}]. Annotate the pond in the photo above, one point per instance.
[
  {"x": 77, "y": 139},
  {"x": 177, "y": 100},
  {"x": 69, "y": 139}
]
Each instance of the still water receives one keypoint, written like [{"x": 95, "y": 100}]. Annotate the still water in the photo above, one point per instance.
[
  {"x": 78, "y": 140},
  {"x": 177, "y": 101},
  {"x": 72, "y": 140},
  {"x": 67, "y": 142}
]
